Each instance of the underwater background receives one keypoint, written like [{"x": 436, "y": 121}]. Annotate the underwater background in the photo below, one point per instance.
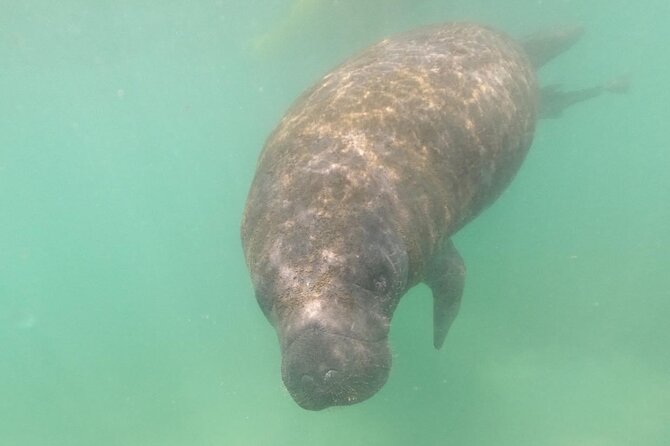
[{"x": 129, "y": 132}]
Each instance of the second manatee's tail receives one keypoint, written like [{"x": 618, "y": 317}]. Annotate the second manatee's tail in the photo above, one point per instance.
[
  {"x": 553, "y": 100},
  {"x": 543, "y": 46}
]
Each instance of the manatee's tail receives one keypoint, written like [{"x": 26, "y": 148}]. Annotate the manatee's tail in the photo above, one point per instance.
[
  {"x": 553, "y": 100},
  {"x": 543, "y": 46}
]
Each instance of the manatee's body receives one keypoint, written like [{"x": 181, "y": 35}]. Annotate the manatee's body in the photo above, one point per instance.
[{"x": 359, "y": 189}]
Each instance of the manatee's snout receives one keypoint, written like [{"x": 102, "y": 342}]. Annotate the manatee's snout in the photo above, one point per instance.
[{"x": 322, "y": 369}]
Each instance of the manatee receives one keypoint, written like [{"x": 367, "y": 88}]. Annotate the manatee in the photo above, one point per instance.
[{"x": 369, "y": 174}]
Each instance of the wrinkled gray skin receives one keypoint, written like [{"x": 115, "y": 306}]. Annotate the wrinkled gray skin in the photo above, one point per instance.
[{"x": 360, "y": 187}]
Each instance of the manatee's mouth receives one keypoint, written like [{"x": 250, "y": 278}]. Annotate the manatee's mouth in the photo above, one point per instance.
[
  {"x": 322, "y": 369},
  {"x": 316, "y": 394}
]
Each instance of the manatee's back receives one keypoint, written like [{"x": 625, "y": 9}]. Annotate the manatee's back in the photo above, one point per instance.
[{"x": 429, "y": 126}]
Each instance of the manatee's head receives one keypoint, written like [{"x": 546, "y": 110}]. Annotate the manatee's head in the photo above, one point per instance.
[
  {"x": 334, "y": 355},
  {"x": 331, "y": 302}
]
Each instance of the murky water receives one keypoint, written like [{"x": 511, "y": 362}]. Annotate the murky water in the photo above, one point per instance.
[{"x": 128, "y": 140}]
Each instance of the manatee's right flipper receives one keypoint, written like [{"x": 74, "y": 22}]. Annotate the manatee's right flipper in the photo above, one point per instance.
[
  {"x": 543, "y": 46},
  {"x": 446, "y": 278},
  {"x": 553, "y": 100}
]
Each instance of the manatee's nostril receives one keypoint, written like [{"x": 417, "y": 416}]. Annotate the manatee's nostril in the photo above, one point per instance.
[{"x": 330, "y": 375}]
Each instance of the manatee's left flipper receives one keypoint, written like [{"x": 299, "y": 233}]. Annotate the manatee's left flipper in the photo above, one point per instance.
[{"x": 446, "y": 278}]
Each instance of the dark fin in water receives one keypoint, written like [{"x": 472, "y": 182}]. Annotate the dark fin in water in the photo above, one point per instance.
[
  {"x": 543, "y": 46},
  {"x": 553, "y": 100},
  {"x": 446, "y": 278}
]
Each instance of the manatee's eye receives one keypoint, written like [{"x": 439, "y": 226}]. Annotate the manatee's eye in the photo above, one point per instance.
[{"x": 376, "y": 281}]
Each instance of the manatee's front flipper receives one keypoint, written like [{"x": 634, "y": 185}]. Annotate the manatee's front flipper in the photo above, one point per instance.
[
  {"x": 553, "y": 100},
  {"x": 446, "y": 278}
]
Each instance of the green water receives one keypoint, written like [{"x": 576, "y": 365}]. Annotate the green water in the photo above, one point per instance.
[{"x": 128, "y": 137}]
